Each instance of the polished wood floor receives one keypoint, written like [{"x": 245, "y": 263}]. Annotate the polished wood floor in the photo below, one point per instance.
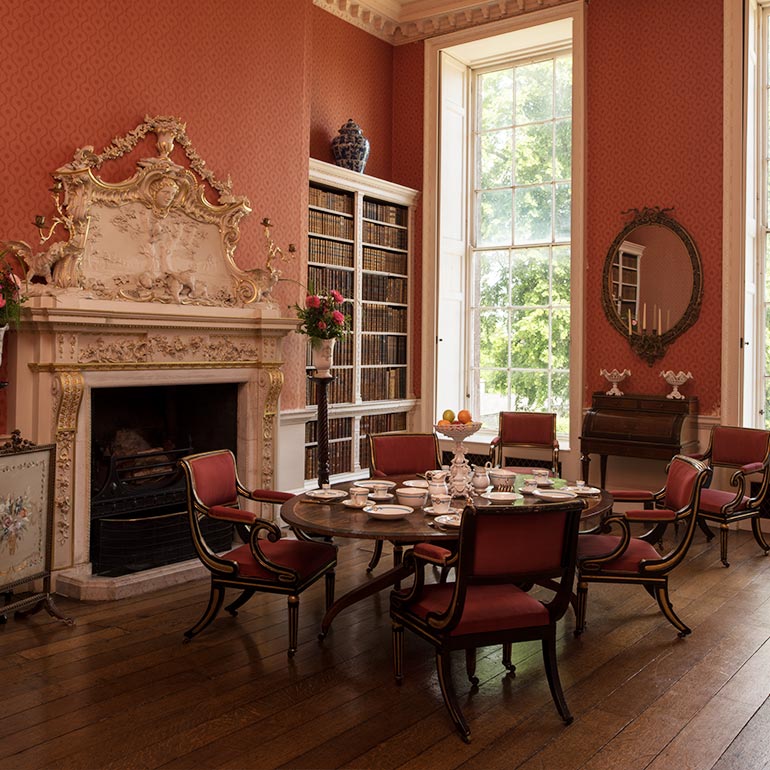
[{"x": 120, "y": 690}]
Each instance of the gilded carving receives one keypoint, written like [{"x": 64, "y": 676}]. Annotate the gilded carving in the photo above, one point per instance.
[
  {"x": 271, "y": 379},
  {"x": 154, "y": 237},
  {"x": 68, "y": 390}
]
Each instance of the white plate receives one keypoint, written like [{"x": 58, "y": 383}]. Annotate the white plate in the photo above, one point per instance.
[
  {"x": 421, "y": 483},
  {"x": 352, "y": 504},
  {"x": 451, "y": 520},
  {"x": 429, "y": 510},
  {"x": 375, "y": 484},
  {"x": 584, "y": 491},
  {"x": 554, "y": 494},
  {"x": 502, "y": 497},
  {"x": 326, "y": 494},
  {"x": 388, "y": 511}
]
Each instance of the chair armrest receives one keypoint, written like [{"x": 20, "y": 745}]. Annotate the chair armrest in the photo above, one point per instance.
[
  {"x": 284, "y": 574},
  {"x": 751, "y": 468},
  {"x": 434, "y": 554},
  {"x": 594, "y": 563},
  {"x": 269, "y": 496},
  {"x": 236, "y": 515}
]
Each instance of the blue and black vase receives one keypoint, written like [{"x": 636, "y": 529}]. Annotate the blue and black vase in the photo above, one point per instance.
[{"x": 351, "y": 147}]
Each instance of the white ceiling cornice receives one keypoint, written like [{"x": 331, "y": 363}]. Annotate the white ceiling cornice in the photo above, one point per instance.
[{"x": 404, "y": 21}]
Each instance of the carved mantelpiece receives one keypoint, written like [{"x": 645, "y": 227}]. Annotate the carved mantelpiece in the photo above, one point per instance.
[{"x": 144, "y": 292}]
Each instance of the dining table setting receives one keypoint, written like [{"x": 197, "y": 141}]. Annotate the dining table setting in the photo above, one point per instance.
[{"x": 412, "y": 508}]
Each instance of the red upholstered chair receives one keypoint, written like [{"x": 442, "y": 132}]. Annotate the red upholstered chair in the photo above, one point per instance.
[
  {"x": 499, "y": 549},
  {"x": 271, "y": 564},
  {"x": 394, "y": 454},
  {"x": 529, "y": 433},
  {"x": 747, "y": 452},
  {"x": 608, "y": 558}
]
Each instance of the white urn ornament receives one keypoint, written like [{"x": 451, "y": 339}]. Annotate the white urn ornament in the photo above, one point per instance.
[
  {"x": 322, "y": 352},
  {"x": 675, "y": 379},
  {"x": 615, "y": 377}
]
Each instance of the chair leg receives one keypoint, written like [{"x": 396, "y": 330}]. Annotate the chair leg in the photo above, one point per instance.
[
  {"x": 444, "y": 669},
  {"x": 661, "y": 594},
  {"x": 216, "y": 597},
  {"x": 655, "y": 535},
  {"x": 293, "y": 623},
  {"x": 705, "y": 529},
  {"x": 398, "y": 652},
  {"x": 581, "y": 600},
  {"x": 552, "y": 673},
  {"x": 233, "y": 607},
  {"x": 329, "y": 580},
  {"x": 759, "y": 536},
  {"x": 507, "y": 649},
  {"x": 470, "y": 666},
  {"x": 374, "y": 561},
  {"x": 724, "y": 531}
]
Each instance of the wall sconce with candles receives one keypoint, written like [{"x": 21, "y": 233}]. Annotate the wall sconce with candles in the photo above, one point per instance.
[{"x": 653, "y": 264}]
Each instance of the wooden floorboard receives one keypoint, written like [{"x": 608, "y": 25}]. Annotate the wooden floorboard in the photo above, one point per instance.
[{"x": 121, "y": 690}]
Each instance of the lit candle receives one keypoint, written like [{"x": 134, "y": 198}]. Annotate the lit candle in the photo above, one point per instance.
[
  {"x": 644, "y": 317},
  {"x": 629, "y": 322}
]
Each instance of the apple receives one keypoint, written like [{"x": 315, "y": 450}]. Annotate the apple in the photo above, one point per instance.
[{"x": 448, "y": 415}]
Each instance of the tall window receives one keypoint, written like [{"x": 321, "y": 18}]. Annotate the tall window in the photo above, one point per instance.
[{"x": 520, "y": 238}]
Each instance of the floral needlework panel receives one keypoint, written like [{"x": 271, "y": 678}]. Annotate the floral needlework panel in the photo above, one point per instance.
[{"x": 24, "y": 501}]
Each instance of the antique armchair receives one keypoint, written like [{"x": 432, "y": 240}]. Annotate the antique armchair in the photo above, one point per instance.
[
  {"x": 608, "y": 558},
  {"x": 270, "y": 564},
  {"x": 530, "y": 433},
  {"x": 395, "y": 454},
  {"x": 747, "y": 452},
  {"x": 500, "y": 549}
]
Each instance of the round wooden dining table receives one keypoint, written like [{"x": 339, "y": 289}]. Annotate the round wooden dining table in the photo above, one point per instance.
[{"x": 334, "y": 519}]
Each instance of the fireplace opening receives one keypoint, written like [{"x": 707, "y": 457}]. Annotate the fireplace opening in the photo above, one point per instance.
[{"x": 138, "y": 499}]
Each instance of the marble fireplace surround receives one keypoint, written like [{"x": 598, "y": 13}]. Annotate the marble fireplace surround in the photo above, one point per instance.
[{"x": 145, "y": 291}]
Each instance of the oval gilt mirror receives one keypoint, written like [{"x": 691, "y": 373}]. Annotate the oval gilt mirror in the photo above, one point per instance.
[{"x": 652, "y": 285}]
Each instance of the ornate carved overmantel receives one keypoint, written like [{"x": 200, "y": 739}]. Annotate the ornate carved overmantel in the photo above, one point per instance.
[{"x": 144, "y": 291}]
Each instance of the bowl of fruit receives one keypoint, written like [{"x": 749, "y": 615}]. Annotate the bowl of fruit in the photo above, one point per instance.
[{"x": 457, "y": 426}]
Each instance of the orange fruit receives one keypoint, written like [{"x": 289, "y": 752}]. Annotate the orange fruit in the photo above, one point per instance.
[
  {"x": 464, "y": 416},
  {"x": 443, "y": 422}
]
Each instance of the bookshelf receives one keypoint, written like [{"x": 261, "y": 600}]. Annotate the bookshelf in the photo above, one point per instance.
[
  {"x": 624, "y": 280},
  {"x": 360, "y": 240}
]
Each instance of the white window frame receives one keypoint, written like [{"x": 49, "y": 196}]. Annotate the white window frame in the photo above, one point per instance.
[{"x": 432, "y": 402}]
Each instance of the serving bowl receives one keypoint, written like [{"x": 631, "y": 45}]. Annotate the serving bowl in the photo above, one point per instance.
[{"x": 413, "y": 496}]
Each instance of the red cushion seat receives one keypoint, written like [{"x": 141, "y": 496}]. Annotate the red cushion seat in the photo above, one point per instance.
[
  {"x": 593, "y": 546},
  {"x": 713, "y": 500},
  {"x": 303, "y": 557}
]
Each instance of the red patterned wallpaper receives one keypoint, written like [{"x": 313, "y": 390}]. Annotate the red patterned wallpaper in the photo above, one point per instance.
[
  {"x": 351, "y": 77},
  {"x": 654, "y": 124},
  {"x": 77, "y": 73}
]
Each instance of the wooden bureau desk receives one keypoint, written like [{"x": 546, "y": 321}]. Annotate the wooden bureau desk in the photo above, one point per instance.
[{"x": 651, "y": 427}]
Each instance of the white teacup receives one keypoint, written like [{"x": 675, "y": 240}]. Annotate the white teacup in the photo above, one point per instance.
[
  {"x": 441, "y": 503},
  {"x": 359, "y": 496}
]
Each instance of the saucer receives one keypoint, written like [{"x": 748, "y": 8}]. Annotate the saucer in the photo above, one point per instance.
[
  {"x": 450, "y": 520},
  {"x": 584, "y": 491},
  {"x": 352, "y": 504},
  {"x": 388, "y": 512},
  {"x": 554, "y": 494},
  {"x": 326, "y": 494},
  {"x": 429, "y": 510},
  {"x": 375, "y": 484},
  {"x": 381, "y": 497},
  {"x": 421, "y": 483},
  {"x": 501, "y": 497}
]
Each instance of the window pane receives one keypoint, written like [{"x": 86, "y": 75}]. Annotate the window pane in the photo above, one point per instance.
[
  {"x": 534, "y": 92},
  {"x": 563, "y": 87},
  {"x": 560, "y": 339},
  {"x": 529, "y": 339},
  {"x": 563, "y": 216},
  {"x": 494, "y": 217},
  {"x": 493, "y": 339},
  {"x": 560, "y": 400},
  {"x": 491, "y": 278},
  {"x": 495, "y": 157},
  {"x": 532, "y": 214},
  {"x": 534, "y": 153},
  {"x": 493, "y": 396},
  {"x": 496, "y": 99},
  {"x": 563, "y": 144},
  {"x": 560, "y": 278},
  {"x": 529, "y": 391},
  {"x": 529, "y": 276}
]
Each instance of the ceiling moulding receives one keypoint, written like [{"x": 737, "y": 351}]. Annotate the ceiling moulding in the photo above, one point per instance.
[{"x": 404, "y": 21}]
